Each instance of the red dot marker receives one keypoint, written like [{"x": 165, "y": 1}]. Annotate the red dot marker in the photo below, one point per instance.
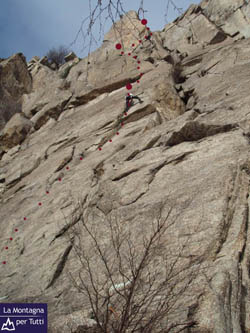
[
  {"x": 138, "y": 67},
  {"x": 148, "y": 28},
  {"x": 118, "y": 46},
  {"x": 110, "y": 140},
  {"x": 80, "y": 158},
  {"x": 39, "y": 204},
  {"x": 67, "y": 168},
  {"x": 129, "y": 54},
  {"x": 140, "y": 41},
  {"x": 4, "y": 262},
  {"x": 144, "y": 21},
  {"x": 151, "y": 34},
  {"x": 16, "y": 230},
  {"x": 122, "y": 124},
  {"x": 138, "y": 62},
  {"x": 129, "y": 86},
  {"x": 117, "y": 133},
  {"x": 133, "y": 45},
  {"x": 135, "y": 57},
  {"x": 11, "y": 238},
  {"x": 141, "y": 74},
  {"x": 59, "y": 179},
  {"x": 100, "y": 148},
  {"x": 125, "y": 113},
  {"x": 138, "y": 81},
  {"x": 6, "y": 247},
  {"x": 25, "y": 218},
  {"x": 47, "y": 192}
]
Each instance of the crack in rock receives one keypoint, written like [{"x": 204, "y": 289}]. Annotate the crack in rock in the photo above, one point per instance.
[
  {"x": 124, "y": 174},
  {"x": 60, "y": 265},
  {"x": 194, "y": 131},
  {"x": 177, "y": 159},
  {"x": 66, "y": 160},
  {"x": 131, "y": 156},
  {"x": 63, "y": 144},
  {"x": 80, "y": 100}
]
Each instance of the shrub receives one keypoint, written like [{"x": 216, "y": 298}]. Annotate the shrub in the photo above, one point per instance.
[
  {"x": 57, "y": 55},
  {"x": 131, "y": 284}
]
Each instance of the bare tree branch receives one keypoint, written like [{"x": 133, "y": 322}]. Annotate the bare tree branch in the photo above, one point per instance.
[
  {"x": 109, "y": 11},
  {"x": 126, "y": 289}
]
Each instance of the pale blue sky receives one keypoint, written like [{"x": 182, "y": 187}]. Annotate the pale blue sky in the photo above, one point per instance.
[{"x": 34, "y": 26}]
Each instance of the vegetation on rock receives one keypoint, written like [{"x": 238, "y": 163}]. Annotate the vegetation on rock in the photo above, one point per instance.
[{"x": 56, "y": 55}]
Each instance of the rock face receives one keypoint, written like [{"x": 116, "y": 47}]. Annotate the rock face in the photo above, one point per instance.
[
  {"x": 186, "y": 146},
  {"x": 211, "y": 22},
  {"x": 15, "y": 80},
  {"x": 70, "y": 56},
  {"x": 15, "y": 131},
  {"x": 232, "y": 17}
]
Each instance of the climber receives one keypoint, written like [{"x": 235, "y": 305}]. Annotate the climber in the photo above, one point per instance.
[
  {"x": 129, "y": 99},
  {"x": 149, "y": 35}
]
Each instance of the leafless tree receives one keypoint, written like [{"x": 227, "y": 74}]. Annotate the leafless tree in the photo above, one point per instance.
[
  {"x": 132, "y": 283},
  {"x": 56, "y": 55},
  {"x": 103, "y": 12}
]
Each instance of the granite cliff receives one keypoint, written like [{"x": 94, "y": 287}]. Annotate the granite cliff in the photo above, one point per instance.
[{"x": 186, "y": 145}]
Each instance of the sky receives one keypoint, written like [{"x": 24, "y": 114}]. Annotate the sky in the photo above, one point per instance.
[{"x": 33, "y": 27}]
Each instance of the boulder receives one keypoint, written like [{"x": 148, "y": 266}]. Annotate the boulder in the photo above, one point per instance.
[
  {"x": 34, "y": 59},
  {"x": 15, "y": 131},
  {"x": 70, "y": 56},
  {"x": 44, "y": 61},
  {"x": 129, "y": 23},
  {"x": 53, "y": 66},
  {"x": 228, "y": 15},
  {"x": 51, "y": 110},
  {"x": 211, "y": 22},
  {"x": 47, "y": 94},
  {"x": 15, "y": 80}
]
